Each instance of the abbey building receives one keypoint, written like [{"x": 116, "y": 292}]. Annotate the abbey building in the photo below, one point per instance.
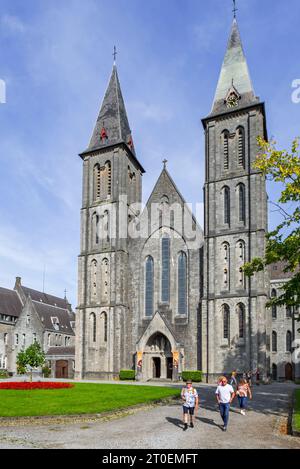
[{"x": 158, "y": 294}]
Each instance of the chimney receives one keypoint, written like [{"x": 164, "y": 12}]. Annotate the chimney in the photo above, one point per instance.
[{"x": 18, "y": 282}]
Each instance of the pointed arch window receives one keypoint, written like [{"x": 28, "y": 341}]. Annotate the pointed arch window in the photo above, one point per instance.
[
  {"x": 274, "y": 307},
  {"x": 149, "y": 286},
  {"x": 94, "y": 268},
  {"x": 274, "y": 341},
  {"x": 108, "y": 178},
  {"x": 226, "y": 194},
  {"x": 242, "y": 202},
  {"x": 226, "y": 321},
  {"x": 225, "y": 138},
  {"x": 241, "y": 314},
  {"x": 241, "y": 147},
  {"x": 93, "y": 327},
  {"x": 104, "y": 326},
  {"x": 105, "y": 284},
  {"x": 165, "y": 274},
  {"x": 182, "y": 283},
  {"x": 97, "y": 182},
  {"x": 289, "y": 341}
]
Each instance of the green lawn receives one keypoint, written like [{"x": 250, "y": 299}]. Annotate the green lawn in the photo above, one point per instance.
[
  {"x": 82, "y": 399},
  {"x": 297, "y": 411}
]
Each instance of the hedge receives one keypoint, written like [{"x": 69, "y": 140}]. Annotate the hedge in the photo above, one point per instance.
[
  {"x": 127, "y": 375},
  {"x": 195, "y": 376}
]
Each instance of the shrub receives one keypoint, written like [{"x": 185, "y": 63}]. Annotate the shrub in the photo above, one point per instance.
[
  {"x": 46, "y": 372},
  {"x": 3, "y": 374},
  {"x": 195, "y": 376},
  {"x": 127, "y": 375}
]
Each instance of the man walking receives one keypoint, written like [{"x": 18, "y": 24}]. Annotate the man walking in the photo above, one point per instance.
[{"x": 225, "y": 395}]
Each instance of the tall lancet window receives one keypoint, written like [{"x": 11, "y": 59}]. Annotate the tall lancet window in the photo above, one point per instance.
[
  {"x": 226, "y": 322},
  {"x": 182, "y": 283},
  {"x": 225, "y": 139},
  {"x": 149, "y": 286},
  {"x": 241, "y": 314},
  {"x": 105, "y": 281},
  {"x": 165, "y": 273},
  {"x": 107, "y": 177},
  {"x": 226, "y": 195},
  {"x": 94, "y": 281},
  {"x": 241, "y": 147},
  {"x": 242, "y": 202},
  {"x": 93, "y": 327},
  {"x": 97, "y": 182},
  {"x": 103, "y": 327}
]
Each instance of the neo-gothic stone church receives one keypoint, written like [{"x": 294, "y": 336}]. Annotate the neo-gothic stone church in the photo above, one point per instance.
[{"x": 160, "y": 304}]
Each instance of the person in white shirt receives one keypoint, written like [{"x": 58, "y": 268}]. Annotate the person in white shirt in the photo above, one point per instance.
[{"x": 225, "y": 395}]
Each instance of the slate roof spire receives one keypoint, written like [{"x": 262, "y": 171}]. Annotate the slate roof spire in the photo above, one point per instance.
[
  {"x": 112, "y": 126},
  {"x": 235, "y": 72}
]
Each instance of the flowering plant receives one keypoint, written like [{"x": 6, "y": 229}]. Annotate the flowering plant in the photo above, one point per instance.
[{"x": 36, "y": 385}]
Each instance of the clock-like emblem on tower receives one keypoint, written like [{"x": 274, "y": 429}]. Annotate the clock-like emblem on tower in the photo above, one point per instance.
[
  {"x": 232, "y": 100},
  {"x": 232, "y": 97}
]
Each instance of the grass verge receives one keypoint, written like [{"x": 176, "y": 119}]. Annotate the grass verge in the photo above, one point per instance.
[
  {"x": 296, "y": 414},
  {"x": 82, "y": 399}
]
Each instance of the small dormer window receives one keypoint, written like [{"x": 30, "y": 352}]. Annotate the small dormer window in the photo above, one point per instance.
[{"x": 55, "y": 322}]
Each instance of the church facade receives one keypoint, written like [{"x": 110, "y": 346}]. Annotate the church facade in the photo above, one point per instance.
[{"x": 156, "y": 293}]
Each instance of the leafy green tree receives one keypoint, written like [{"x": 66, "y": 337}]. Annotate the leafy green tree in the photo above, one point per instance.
[
  {"x": 283, "y": 244},
  {"x": 33, "y": 357}
]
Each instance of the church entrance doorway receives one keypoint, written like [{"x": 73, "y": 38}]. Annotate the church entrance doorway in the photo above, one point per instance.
[
  {"x": 158, "y": 358},
  {"x": 156, "y": 367},
  {"x": 61, "y": 369},
  {"x": 288, "y": 372}
]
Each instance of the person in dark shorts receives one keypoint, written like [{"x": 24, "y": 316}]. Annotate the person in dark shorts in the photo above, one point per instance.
[{"x": 190, "y": 399}]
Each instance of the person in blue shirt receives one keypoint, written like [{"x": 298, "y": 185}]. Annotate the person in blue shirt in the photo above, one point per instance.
[{"x": 190, "y": 399}]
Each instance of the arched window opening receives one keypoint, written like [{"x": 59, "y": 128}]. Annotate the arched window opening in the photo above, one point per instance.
[
  {"x": 94, "y": 266},
  {"x": 241, "y": 313},
  {"x": 226, "y": 205},
  {"x": 93, "y": 327},
  {"x": 226, "y": 251},
  {"x": 242, "y": 203},
  {"x": 274, "y": 341},
  {"x": 165, "y": 274},
  {"x": 149, "y": 286},
  {"x": 104, "y": 327},
  {"x": 241, "y": 147},
  {"x": 226, "y": 321},
  {"x": 105, "y": 281},
  {"x": 226, "y": 149},
  {"x": 274, "y": 307},
  {"x": 108, "y": 178},
  {"x": 182, "y": 283},
  {"x": 289, "y": 340}
]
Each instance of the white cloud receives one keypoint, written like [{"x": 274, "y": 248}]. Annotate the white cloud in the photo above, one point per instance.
[
  {"x": 12, "y": 24},
  {"x": 151, "y": 111}
]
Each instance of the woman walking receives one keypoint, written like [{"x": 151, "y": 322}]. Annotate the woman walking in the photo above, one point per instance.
[{"x": 243, "y": 392}]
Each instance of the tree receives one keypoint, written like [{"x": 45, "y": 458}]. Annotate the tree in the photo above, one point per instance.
[
  {"x": 32, "y": 357},
  {"x": 283, "y": 244}
]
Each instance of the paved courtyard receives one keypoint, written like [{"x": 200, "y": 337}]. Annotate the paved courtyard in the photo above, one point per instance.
[{"x": 264, "y": 426}]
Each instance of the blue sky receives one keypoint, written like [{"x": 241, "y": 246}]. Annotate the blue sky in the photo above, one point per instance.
[{"x": 56, "y": 59}]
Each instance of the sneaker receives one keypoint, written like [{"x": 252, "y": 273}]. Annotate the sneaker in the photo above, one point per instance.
[
  {"x": 192, "y": 425},
  {"x": 243, "y": 412},
  {"x": 224, "y": 429},
  {"x": 185, "y": 427}
]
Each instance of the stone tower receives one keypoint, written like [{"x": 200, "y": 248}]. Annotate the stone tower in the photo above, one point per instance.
[
  {"x": 112, "y": 180},
  {"x": 235, "y": 328}
]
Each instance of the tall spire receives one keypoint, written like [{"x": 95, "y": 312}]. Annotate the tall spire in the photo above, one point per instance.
[
  {"x": 112, "y": 125},
  {"x": 234, "y": 77}
]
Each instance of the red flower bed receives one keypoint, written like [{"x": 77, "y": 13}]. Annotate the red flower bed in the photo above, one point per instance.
[{"x": 28, "y": 386}]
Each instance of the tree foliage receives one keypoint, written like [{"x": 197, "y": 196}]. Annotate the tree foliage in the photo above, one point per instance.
[
  {"x": 33, "y": 357},
  {"x": 283, "y": 244}
]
